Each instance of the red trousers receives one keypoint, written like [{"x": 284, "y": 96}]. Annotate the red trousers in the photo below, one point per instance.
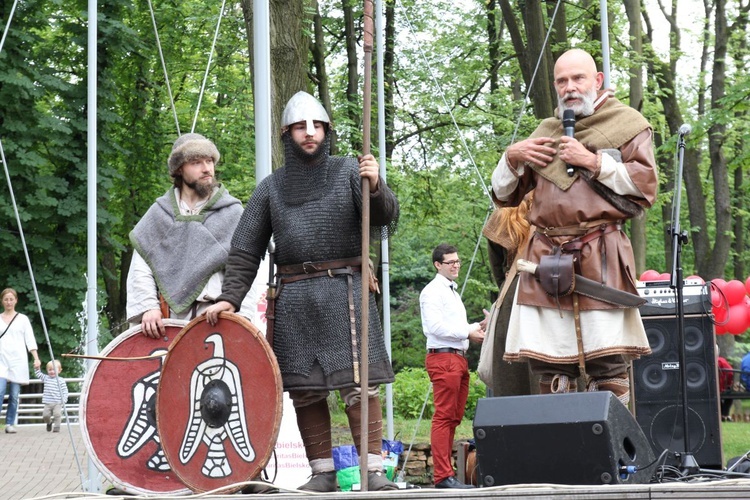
[{"x": 449, "y": 374}]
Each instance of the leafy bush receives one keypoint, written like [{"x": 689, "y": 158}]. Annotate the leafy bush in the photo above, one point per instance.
[{"x": 410, "y": 390}]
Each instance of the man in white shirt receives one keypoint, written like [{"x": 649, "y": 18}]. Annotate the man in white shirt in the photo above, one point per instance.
[
  {"x": 182, "y": 242},
  {"x": 448, "y": 334}
]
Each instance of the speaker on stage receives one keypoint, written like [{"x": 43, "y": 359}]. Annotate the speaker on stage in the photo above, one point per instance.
[
  {"x": 574, "y": 438},
  {"x": 658, "y": 394}
]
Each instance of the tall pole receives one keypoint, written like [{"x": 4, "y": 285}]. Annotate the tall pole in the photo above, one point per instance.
[
  {"x": 604, "y": 21},
  {"x": 262, "y": 89},
  {"x": 94, "y": 483},
  {"x": 365, "y": 345},
  {"x": 386, "y": 282}
]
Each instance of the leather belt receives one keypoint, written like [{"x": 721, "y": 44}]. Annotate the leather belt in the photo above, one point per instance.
[
  {"x": 316, "y": 267},
  {"x": 447, "y": 350},
  {"x": 576, "y": 244}
]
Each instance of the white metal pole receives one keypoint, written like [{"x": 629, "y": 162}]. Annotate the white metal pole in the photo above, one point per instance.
[
  {"x": 604, "y": 20},
  {"x": 380, "y": 44},
  {"x": 262, "y": 91},
  {"x": 93, "y": 484}
]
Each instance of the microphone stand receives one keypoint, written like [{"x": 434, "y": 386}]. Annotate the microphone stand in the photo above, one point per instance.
[{"x": 688, "y": 464}]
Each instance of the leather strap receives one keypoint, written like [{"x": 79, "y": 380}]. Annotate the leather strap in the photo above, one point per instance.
[
  {"x": 576, "y": 244},
  {"x": 579, "y": 338},
  {"x": 319, "y": 274},
  {"x": 313, "y": 267},
  {"x": 353, "y": 326},
  {"x": 164, "y": 307},
  {"x": 447, "y": 350},
  {"x": 8, "y": 327}
]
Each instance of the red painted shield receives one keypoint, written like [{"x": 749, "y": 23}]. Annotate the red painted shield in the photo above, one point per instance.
[
  {"x": 219, "y": 403},
  {"x": 118, "y": 420}
]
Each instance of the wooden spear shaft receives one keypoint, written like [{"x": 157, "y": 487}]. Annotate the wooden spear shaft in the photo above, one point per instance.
[{"x": 364, "y": 378}]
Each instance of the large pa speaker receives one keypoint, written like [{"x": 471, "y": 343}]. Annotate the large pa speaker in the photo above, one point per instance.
[
  {"x": 574, "y": 438},
  {"x": 657, "y": 390}
]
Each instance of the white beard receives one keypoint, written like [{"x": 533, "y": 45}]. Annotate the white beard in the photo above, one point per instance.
[{"x": 584, "y": 108}]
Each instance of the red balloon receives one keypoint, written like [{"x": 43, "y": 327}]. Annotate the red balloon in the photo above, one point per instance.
[
  {"x": 651, "y": 275},
  {"x": 720, "y": 330},
  {"x": 719, "y": 283},
  {"x": 735, "y": 292},
  {"x": 716, "y": 298},
  {"x": 720, "y": 315},
  {"x": 695, "y": 277},
  {"x": 665, "y": 277},
  {"x": 737, "y": 323},
  {"x": 747, "y": 285}
]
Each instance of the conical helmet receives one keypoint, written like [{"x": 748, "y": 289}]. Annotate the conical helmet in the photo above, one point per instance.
[{"x": 303, "y": 107}]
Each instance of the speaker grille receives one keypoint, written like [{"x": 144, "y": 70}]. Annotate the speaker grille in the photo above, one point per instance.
[
  {"x": 657, "y": 389},
  {"x": 575, "y": 438}
]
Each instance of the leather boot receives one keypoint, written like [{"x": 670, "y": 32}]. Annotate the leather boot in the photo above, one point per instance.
[
  {"x": 377, "y": 481},
  {"x": 314, "y": 422}
]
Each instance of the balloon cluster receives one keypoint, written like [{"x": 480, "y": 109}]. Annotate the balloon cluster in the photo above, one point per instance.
[{"x": 730, "y": 301}]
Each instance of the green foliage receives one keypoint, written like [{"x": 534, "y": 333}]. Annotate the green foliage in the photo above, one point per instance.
[
  {"x": 411, "y": 388},
  {"x": 410, "y": 393}
]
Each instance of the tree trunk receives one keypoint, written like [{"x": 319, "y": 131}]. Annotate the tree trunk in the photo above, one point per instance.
[
  {"x": 318, "y": 50},
  {"x": 712, "y": 264},
  {"x": 352, "y": 74},
  {"x": 542, "y": 93},
  {"x": 638, "y": 224},
  {"x": 289, "y": 48},
  {"x": 390, "y": 82}
]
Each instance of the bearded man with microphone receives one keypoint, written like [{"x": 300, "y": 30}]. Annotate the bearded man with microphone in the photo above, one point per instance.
[{"x": 591, "y": 167}]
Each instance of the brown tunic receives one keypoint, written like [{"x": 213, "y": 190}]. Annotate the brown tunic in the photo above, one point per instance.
[{"x": 579, "y": 205}]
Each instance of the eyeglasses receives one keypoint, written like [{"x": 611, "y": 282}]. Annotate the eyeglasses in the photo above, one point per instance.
[{"x": 456, "y": 262}]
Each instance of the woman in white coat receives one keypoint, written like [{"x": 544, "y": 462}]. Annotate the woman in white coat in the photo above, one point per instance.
[{"x": 16, "y": 338}]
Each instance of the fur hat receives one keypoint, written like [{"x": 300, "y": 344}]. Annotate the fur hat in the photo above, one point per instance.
[{"x": 189, "y": 147}]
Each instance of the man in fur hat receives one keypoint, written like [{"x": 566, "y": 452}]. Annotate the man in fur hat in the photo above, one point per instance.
[
  {"x": 191, "y": 223},
  {"x": 580, "y": 212},
  {"x": 312, "y": 207}
]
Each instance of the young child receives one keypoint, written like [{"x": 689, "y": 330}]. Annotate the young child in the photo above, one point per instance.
[{"x": 55, "y": 395}]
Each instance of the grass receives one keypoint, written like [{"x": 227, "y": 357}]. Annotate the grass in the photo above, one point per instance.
[
  {"x": 403, "y": 430},
  {"x": 735, "y": 437}
]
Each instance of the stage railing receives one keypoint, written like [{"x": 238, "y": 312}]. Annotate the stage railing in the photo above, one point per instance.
[{"x": 30, "y": 404}]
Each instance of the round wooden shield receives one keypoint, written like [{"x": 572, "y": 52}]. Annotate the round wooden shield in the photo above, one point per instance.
[
  {"x": 218, "y": 406},
  {"x": 118, "y": 421}
]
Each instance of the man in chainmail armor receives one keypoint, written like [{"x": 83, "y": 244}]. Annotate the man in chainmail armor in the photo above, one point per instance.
[{"x": 312, "y": 208}]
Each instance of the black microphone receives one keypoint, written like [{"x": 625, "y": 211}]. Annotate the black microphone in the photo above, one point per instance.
[
  {"x": 685, "y": 129},
  {"x": 569, "y": 127}
]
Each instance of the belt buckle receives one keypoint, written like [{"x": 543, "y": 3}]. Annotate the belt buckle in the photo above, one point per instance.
[{"x": 304, "y": 266}]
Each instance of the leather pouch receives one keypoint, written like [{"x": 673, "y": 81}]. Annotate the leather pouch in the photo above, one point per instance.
[{"x": 557, "y": 274}]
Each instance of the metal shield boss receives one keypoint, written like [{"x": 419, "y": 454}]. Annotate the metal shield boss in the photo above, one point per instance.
[
  {"x": 118, "y": 419},
  {"x": 219, "y": 403}
]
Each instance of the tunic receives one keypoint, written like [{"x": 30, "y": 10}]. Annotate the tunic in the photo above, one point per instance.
[
  {"x": 536, "y": 328},
  {"x": 166, "y": 239},
  {"x": 15, "y": 345}
]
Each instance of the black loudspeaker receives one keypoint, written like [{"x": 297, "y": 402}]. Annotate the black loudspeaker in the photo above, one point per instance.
[
  {"x": 574, "y": 438},
  {"x": 658, "y": 393}
]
